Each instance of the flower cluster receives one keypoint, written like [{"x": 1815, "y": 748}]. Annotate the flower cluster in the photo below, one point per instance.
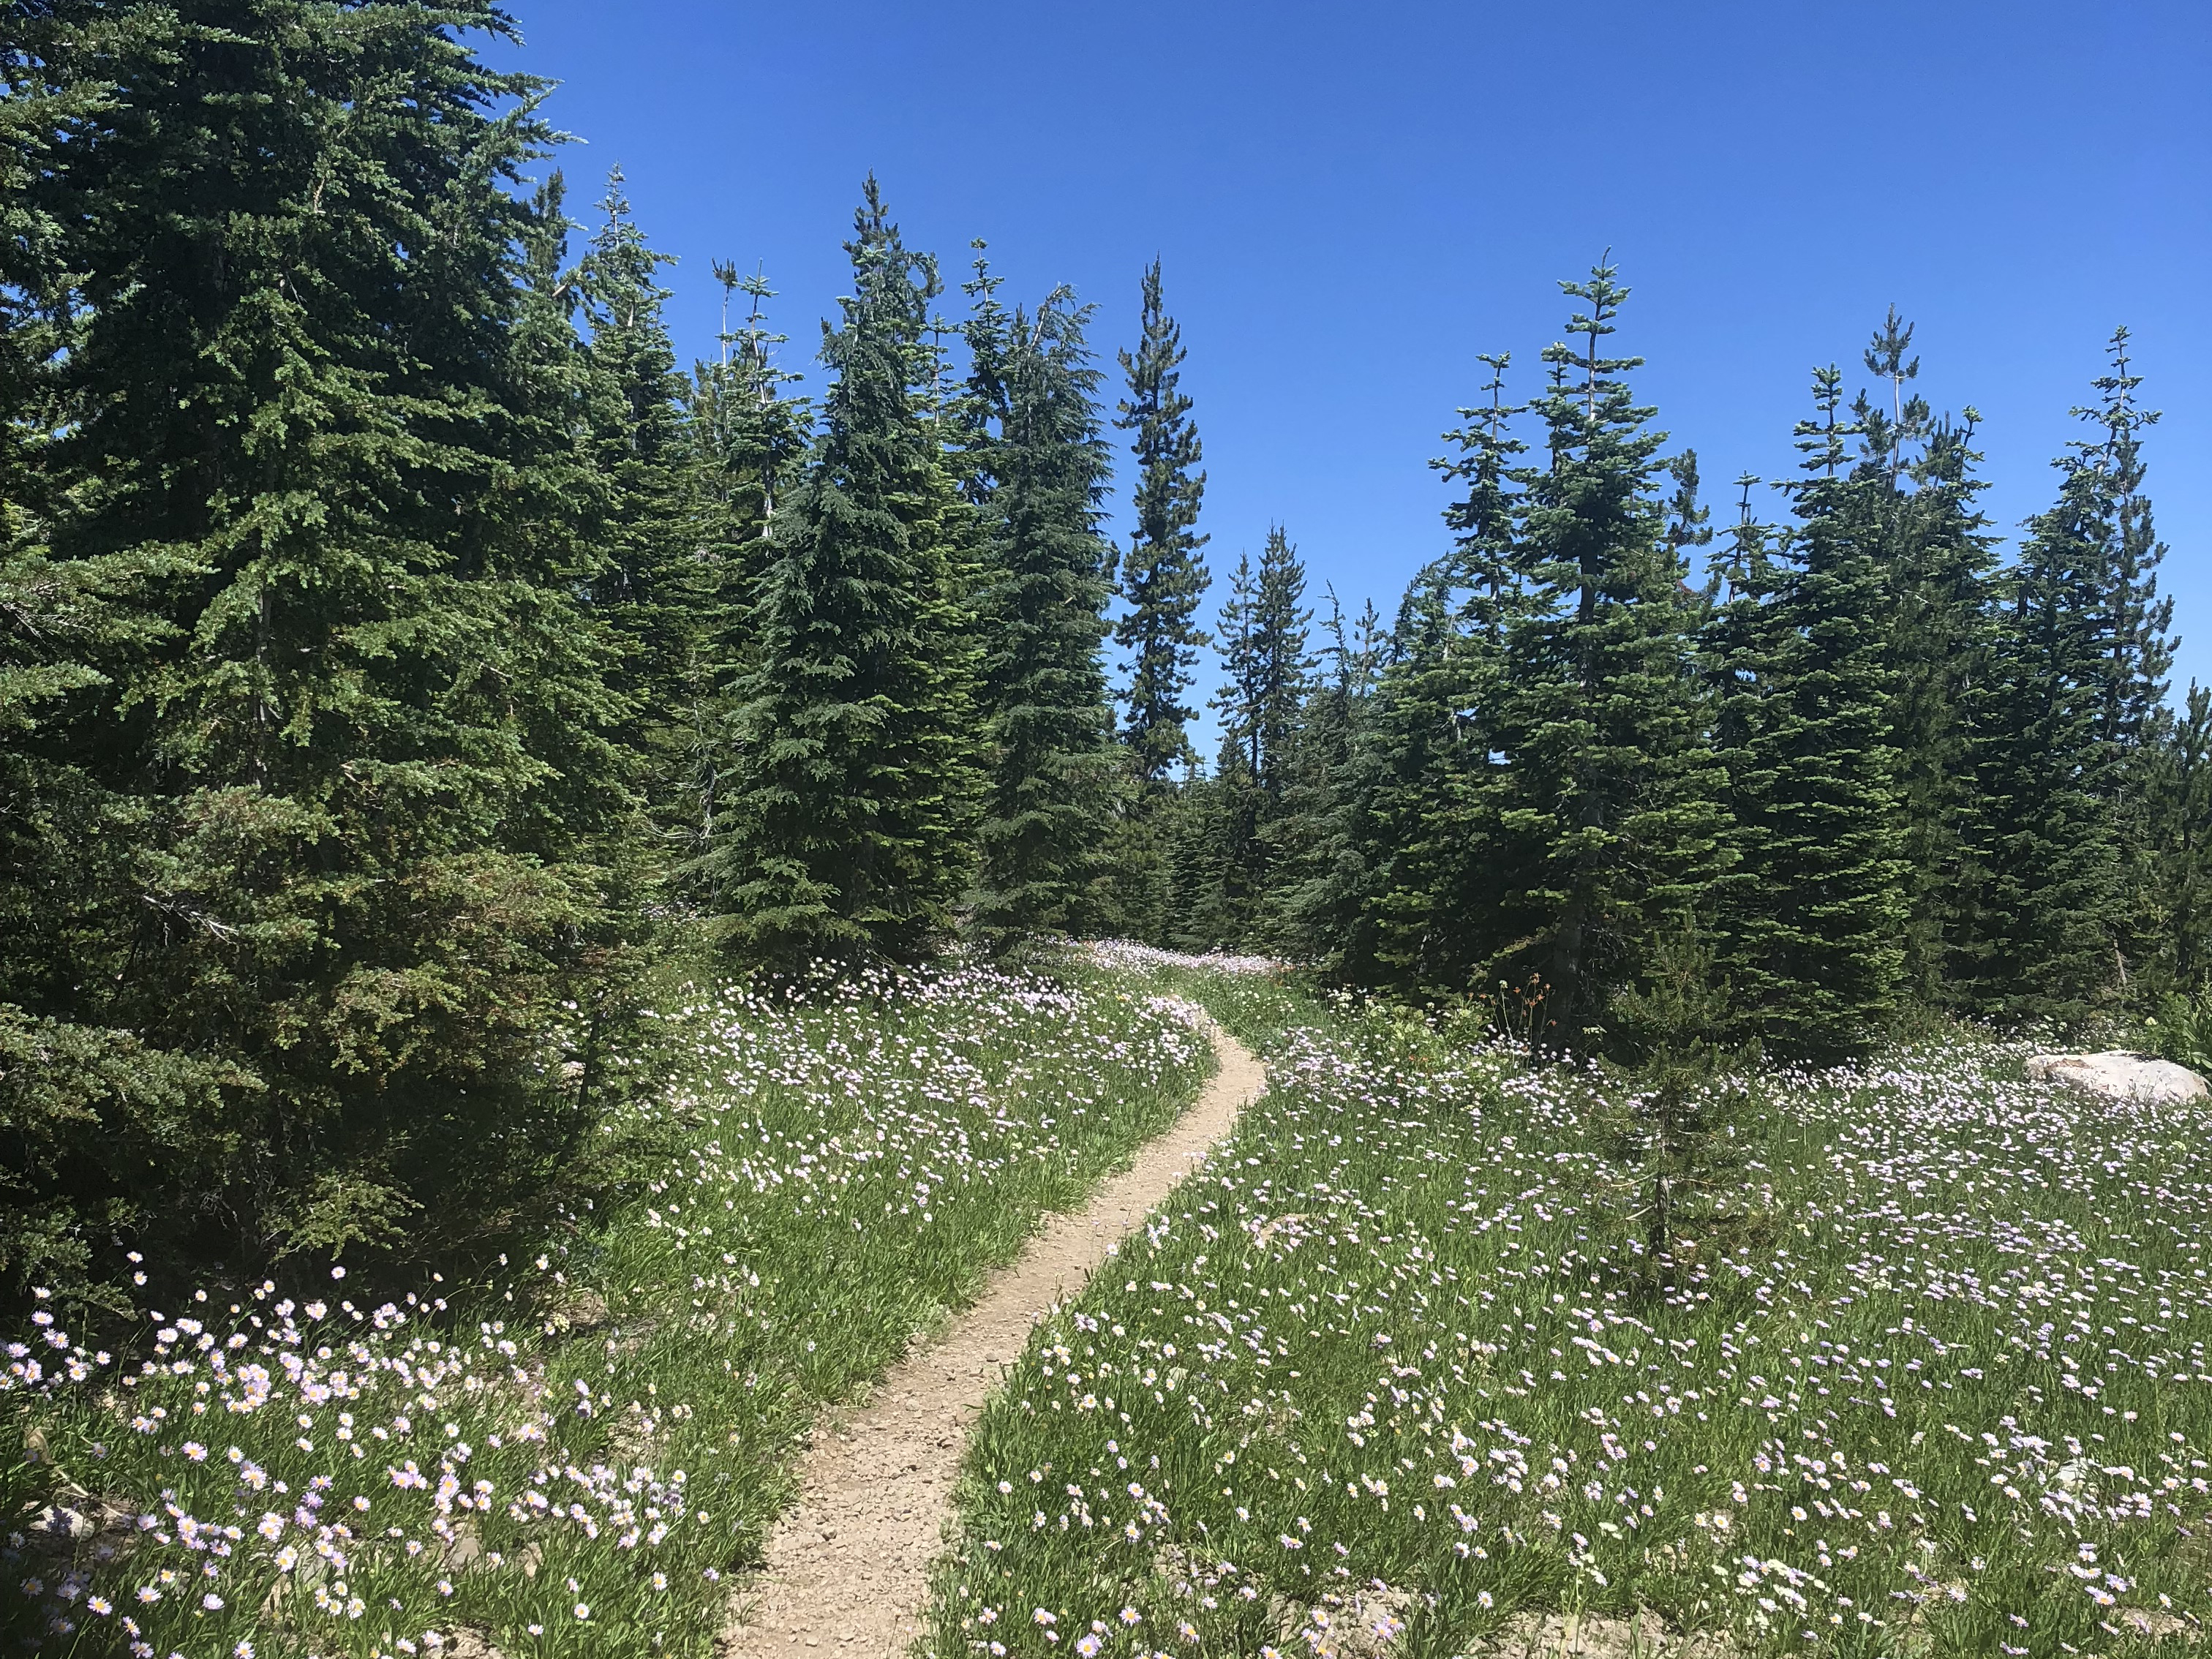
[
  {"x": 1394, "y": 1370},
  {"x": 574, "y": 1457}
]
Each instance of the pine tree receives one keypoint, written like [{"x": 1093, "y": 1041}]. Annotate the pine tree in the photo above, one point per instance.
[
  {"x": 1322, "y": 882},
  {"x": 1433, "y": 844},
  {"x": 348, "y": 734},
  {"x": 1163, "y": 579},
  {"x": 2173, "y": 794},
  {"x": 2053, "y": 917},
  {"x": 650, "y": 591},
  {"x": 1613, "y": 802},
  {"x": 855, "y": 780},
  {"x": 1818, "y": 903},
  {"x": 1262, "y": 641},
  {"x": 745, "y": 441},
  {"x": 1915, "y": 491},
  {"x": 2139, "y": 657},
  {"x": 1438, "y": 904},
  {"x": 1041, "y": 472}
]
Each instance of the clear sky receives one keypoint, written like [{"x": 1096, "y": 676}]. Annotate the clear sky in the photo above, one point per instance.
[{"x": 1351, "y": 201}]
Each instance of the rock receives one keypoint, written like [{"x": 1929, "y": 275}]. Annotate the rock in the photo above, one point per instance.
[
  {"x": 60, "y": 1521},
  {"x": 2118, "y": 1075}
]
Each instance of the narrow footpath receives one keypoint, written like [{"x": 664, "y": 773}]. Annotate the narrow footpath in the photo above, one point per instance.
[{"x": 848, "y": 1565}]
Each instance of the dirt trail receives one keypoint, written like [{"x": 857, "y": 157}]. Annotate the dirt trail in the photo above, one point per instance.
[{"x": 849, "y": 1565}]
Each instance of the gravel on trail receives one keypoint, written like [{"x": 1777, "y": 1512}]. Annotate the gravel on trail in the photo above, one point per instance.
[{"x": 848, "y": 1566}]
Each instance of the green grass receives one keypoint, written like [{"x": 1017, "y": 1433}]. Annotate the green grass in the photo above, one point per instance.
[
  {"x": 1392, "y": 1376},
  {"x": 574, "y": 1459}
]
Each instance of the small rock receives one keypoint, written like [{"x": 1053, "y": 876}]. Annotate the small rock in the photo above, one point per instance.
[
  {"x": 2118, "y": 1075},
  {"x": 60, "y": 1521}
]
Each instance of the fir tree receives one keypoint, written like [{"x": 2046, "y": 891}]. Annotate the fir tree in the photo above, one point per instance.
[
  {"x": 650, "y": 590},
  {"x": 745, "y": 442},
  {"x": 1816, "y": 927},
  {"x": 2173, "y": 797},
  {"x": 2139, "y": 656},
  {"x": 1041, "y": 472},
  {"x": 853, "y": 799},
  {"x": 348, "y": 733},
  {"x": 2051, "y": 925},
  {"x": 1916, "y": 490},
  {"x": 1439, "y": 905},
  {"x": 1163, "y": 579},
  {"x": 1611, "y": 801},
  {"x": 1321, "y": 839},
  {"x": 1262, "y": 642}
]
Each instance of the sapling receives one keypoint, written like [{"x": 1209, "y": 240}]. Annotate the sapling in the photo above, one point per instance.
[{"x": 1678, "y": 1131}]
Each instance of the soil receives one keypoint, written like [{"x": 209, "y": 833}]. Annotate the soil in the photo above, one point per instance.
[{"x": 848, "y": 1566}]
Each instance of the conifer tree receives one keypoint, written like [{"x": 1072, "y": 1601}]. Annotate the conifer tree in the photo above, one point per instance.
[
  {"x": 1321, "y": 839},
  {"x": 2173, "y": 794},
  {"x": 347, "y": 724},
  {"x": 1433, "y": 845},
  {"x": 1440, "y": 726},
  {"x": 746, "y": 440},
  {"x": 1915, "y": 491},
  {"x": 2052, "y": 920},
  {"x": 649, "y": 590},
  {"x": 1818, "y": 898},
  {"x": 1613, "y": 798},
  {"x": 1163, "y": 579},
  {"x": 2139, "y": 655},
  {"x": 851, "y": 806},
  {"x": 1262, "y": 642},
  {"x": 1041, "y": 471}
]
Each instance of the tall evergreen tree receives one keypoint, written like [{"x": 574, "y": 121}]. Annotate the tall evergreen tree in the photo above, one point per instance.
[
  {"x": 2139, "y": 658},
  {"x": 1440, "y": 724},
  {"x": 2140, "y": 655},
  {"x": 650, "y": 590},
  {"x": 1914, "y": 493},
  {"x": 344, "y": 728},
  {"x": 1163, "y": 579},
  {"x": 1816, "y": 900},
  {"x": 1321, "y": 839},
  {"x": 1041, "y": 475},
  {"x": 745, "y": 441},
  {"x": 2173, "y": 794},
  {"x": 1262, "y": 642},
  {"x": 851, "y": 806},
  {"x": 1613, "y": 803},
  {"x": 2053, "y": 918}
]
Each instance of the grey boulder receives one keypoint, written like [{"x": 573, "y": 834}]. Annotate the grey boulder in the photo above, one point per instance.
[{"x": 2118, "y": 1075}]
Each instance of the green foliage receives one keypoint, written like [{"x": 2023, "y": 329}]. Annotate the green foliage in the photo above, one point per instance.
[
  {"x": 2181, "y": 1029},
  {"x": 1266, "y": 676},
  {"x": 1815, "y": 908},
  {"x": 2171, "y": 779},
  {"x": 853, "y": 773},
  {"x": 1038, "y": 473},
  {"x": 1933, "y": 549},
  {"x": 2053, "y": 913},
  {"x": 1435, "y": 835},
  {"x": 1163, "y": 579},
  {"x": 1611, "y": 794},
  {"x": 1680, "y": 1131},
  {"x": 311, "y": 740}
]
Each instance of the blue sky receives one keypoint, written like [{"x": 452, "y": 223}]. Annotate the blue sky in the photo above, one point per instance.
[{"x": 1352, "y": 201}]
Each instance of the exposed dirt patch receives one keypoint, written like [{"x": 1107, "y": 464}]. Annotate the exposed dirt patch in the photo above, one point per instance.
[{"x": 848, "y": 1567}]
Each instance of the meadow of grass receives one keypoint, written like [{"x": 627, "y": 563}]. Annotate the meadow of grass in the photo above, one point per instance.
[
  {"x": 1392, "y": 1375},
  {"x": 573, "y": 1459}
]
